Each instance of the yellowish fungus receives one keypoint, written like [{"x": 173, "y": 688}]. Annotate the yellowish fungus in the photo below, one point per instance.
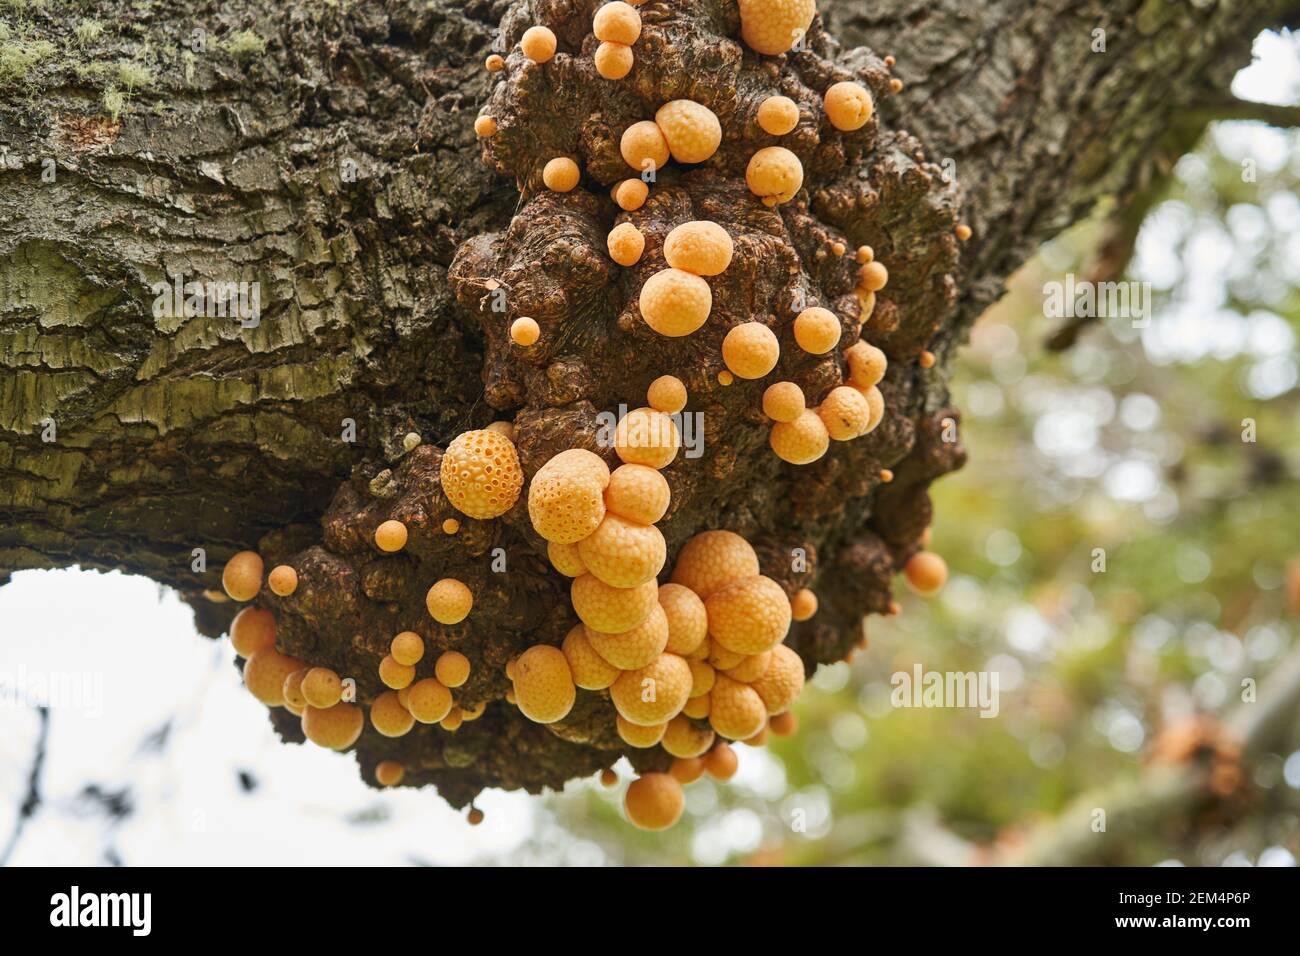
[
  {"x": 480, "y": 473},
  {"x": 543, "y": 682},
  {"x": 654, "y": 801},
  {"x": 750, "y": 350},
  {"x": 817, "y": 330},
  {"x": 525, "y": 331},
  {"x": 242, "y": 576},
  {"x": 667, "y": 394},
  {"x": 848, "y": 106},
  {"x": 691, "y": 129},
  {"x": 801, "y": 441},
  {"x": 252, "y": 630},
  {"x": 700, "y": 246},
  {"x": 774, "y": 174},
  {"x": 336, "y": 727},
  {"x": 390, "y": 536},
  {"x": 449, "y": 601},
  {"x": 778, "y": 115},
  {"x": 750, "y": 616},
  {"x": 675, "y": 302},
  {"x": 626, "y": 243},
  {"x": 283, "y": 580}
]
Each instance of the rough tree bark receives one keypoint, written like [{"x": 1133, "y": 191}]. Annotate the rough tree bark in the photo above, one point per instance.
[{"x": 327, "y": 152}]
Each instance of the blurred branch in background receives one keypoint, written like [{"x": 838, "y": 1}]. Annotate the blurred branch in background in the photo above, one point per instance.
[{"x": 31, "y": 801}]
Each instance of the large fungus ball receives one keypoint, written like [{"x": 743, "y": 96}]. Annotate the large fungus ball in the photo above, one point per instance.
[
  {"x": 783, "y": 402},
  {"x": 634, "y": 735},
  {"x": 632, "y": 648},
  {"x": 485, "y": 126},
  {"x": 252, "y": 630},
  {"x": 867, "y": 364},
  {"x": 667, "y": 394},
  {"x": 480, "y": 473},
  {"x": 566, "y": 559},
  {"x": 926, "y": 572},
  {"x": 801, "y": 441},
  {"x": 675, "y": 302},
  {"x": 242, "y": 576},
  {"x": 638, "y": 493},
  {"x": 848, "y": 106},
  {"x": 407, "y": 648},
  {"x": 845, "y": 413},
  {"x": 336, "y": 727},
  {"x": 566, "y": 498},
  {"x": 612, "y": 610},
  {"x": 617, "y": 22},
  {"x": 643, "y": 146},
  {"x": 449, "y": 601},
  {"x": 774, "y": 174},
  {"x": 817, "y": 330},
  {"x": 684, "y": 739},
  {"x": 391, "y": 536},
  {"x": 781, "y": 683},
  {"x": 687, "y": 769},
  {"x": 544, "y": 688},
  {"x": 749, "y": 616},
  {"x": 775, "y": 26},
  {"x": 561, "y": 174},
  {"x": 451, "y": 668},
  {"x": 647, "y": 437},
  {"x": 614, "y": 60},
  {"x": 712, "y": 560},
  {"x": 428, "y": 701},
  {"x": 538, "y": 44},
  {"x": 265, "y": 672},
  {"x": 655, "y": 693},
  {"x": 750, "y": 350},
  {"x": 700, "y": 246},
  {"x": 735, "y": 709},
  {"x": 624, "y": 553},
  {"x": 778, "y": 115},
  {"x": 322, "y": 687},
  {"x": 654, "y": 801},
  {"x": 395, "y": 675},
  {"x": 688, "y": 622},
  {"x": 626, "y": 243},
  {"x": 631, "y": 194},
  {"x": 692, "y": 130},
  {"x": 389, "y": 717},
  {"x": 590, "y": 671}
]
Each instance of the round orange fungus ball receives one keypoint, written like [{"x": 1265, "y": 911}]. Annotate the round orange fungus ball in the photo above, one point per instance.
[
  {"x": 750, "y": 350},
  {"x": 817, "y": 330},
  {"x": 626, "y": 243},
  {"x": 449, "y": 601},
  {"x": 692, "y": 130},
  {"x": 701, "y": 247},
  {"x": 801, "y": 441},
  {"x": 848, "y": 106},
  {"x": 242, "y": 576},
  {"x": 774, "y": 174},
  {"x": 783, "y": 402},
  {"x": 778, "y": 115},
  {"x": 538, "y": 44},
  {"x": 675, "y": 302},
  {"x": 654, "y": 801},
  {"x": 480, "y": 474}
]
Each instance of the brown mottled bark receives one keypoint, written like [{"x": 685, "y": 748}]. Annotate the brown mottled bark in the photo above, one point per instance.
[{"x": 337, "y": 167}]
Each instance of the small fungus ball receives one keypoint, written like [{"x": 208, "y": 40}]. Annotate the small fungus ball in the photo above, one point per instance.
[
  {"x": 265, "y": 672},
  {"x": 614, "y": 60},
  {"x": 877, "y": 403},
  {"x": 395, "y": 675},
  {"x": 700, "y": 246},
  {"x": 783, "y": 402},
  {"x": 684, "y": 739},
  {"x": 617, "y": 22},
  {"x": 654, "y": 801},
  {"x": 801, "y": 441},
  {"x": 666, "y": 394},
  {"x": 749, "y": 616},
  {"x": 538, "y": 44},
  {"x": 775, "y": 26},
  {"x": 252, "y": 630},
  {"x": 688, "y": 622},
  {"x": 407, "y": 648},
  {"x": 725, "y": 378},
  {"x": 391, "y": 536},
  {"x": 525, "y": 331},
  {"x": 751, "y": 668},
  {"x": 721, "y": 659},
  {"x": 561, "y": 174},
  {"x": 687, "y": 769},
  {"x": 675, "y": 302},
  {"x": 778, "y": 115},
  {"x": 803, "y": 605},
  {"x": 389, "y": 717},
  {"x": 475, "y": 712},
  {"x": 783, "y": 725},
  {"x": 638, "y": 493},
  {"x": 643, "y": 146},
  {"x": 590, "y": 671},
  {"x": 566, "y": 498},
  {"x": 867, "y": 364},
  {"x": 624, "y": 553},
  {"x": 544, "y": 687},
  {"x": 926, "y": 572},
  {"x": 625, "y": 243},
  {"x": 451, "y": 525},
  {"x": 926, "y": 359},
  {"x": 697, "y": 708},
  {"x": 566, "y": 559},
  {"x": 692, "y": 130},
  {"x": 293, "y": 696},
  {"x": 336, "y": 727},
  {"x": 429, "y": 701},
  {"x": 455, "y": 717},
  {"x": 721, "y": 762},
  {"x": 703, "y": 674},
  {"x": 634, "y": 735},
  {"x": 750, "y": 350},
  {"x": 634, "y": 648},
  {"x": 873, "y": 276},
  {"x": 817, "y": 330},
  {"x": 608, "y": 778},
  {"x": 839, "y": 248},
  {"x": 449, "y": 601},
  {"x": 322, "y": 687},
  {"x": 485, "y": 126},
  {"x": 848, "y": 106},
  {"x": 864, "y": 255},
  {"x": 480, "y": 473},
  {"x": 389, "y": 773},
  {"x": 631, "y": 194},
  {"x": 283, "y": 580},
  {"x": 612, "y": 610},
  {"x": 845, "y": 413},
  {"x": 647, "y": 437},
  {"x": 712, "y": 560},
  {"x": 963, "y": 231},
  {"x": 774, "y": 174},
  {"x": 242, "y": 576},
  {"x": 735, "y": 709},
  {"x": 655, "y": 693},
  {"x": 495, "y": 63},
  {"x": 780, "y": 685},
  {"x": 451, "y": 668},
  {"x": 507, "y": 431}
]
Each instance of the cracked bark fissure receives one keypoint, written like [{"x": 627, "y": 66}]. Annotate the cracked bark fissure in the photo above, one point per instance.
[{"x": 180, "y": 433}]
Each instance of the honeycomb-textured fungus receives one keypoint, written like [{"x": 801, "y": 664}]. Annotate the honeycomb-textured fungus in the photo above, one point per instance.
[{"x": 575, "y": 262}]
